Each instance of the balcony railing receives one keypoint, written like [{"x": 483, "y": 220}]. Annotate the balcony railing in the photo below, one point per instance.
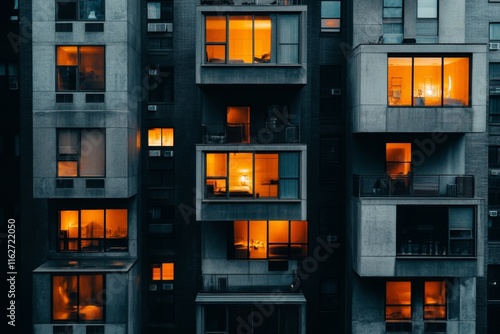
[
  {"x": 245, "y": 133},
  {"x": 413, "y": 185},
  {"x": 253, "y": 2},
  {"x": 249, "y": 283}
]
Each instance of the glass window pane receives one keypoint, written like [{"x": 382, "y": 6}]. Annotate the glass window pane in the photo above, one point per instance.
[
  {"x": 66, "y": 10},
  {"x": 156, "y": 273},
  {"x": 154, "y": 137},
  {"x": 393, "y": 3},
  {"x": 399, "y": 81},
  {"x": 216, "y": 53},
  {"x": 91, "y": 9},
  {"x": 68, "y": 141},
  {"x": 427, "y": 9},
  {"x": 494, "y": 31},
  {"x": 64, "y": 297},
  {"x": 288, "y": 39},
  {"x": 241, "y": 240},
  {"x": 427, "y": 80},
  {"x": 92, "y": 224},
  {"x": 67, "y": 55},
  {"x": 258, "y": 239},
  {"x": 298, "y": 231},
  {"x": 240, "y": 39},
  {"x": 92, "y": 155},
  {"x": 330, "y": 9},
  {"x": 289, "y": 164},
  {"x": 393, "y": 13},
  {"x": 278, "y": 231},
  {"x": 116, "y": 223},
  {"x": 262, "y": 39},
  {"x": 216, "y": 164},
  {"x": 91, "y": 69},
  {"x": 91, "y": 297},
  {"x": 456, "y": 82},
  {"x": 215, "y": 29},
  {"x": 398, "y": 293},
  {"x": 167, "y": 137},
  {"x": 167, "y": 271},
  {"x": 266, "y": 175},
  {"x": 67, "y": 168},
  {"x": 154, "y": 10}
]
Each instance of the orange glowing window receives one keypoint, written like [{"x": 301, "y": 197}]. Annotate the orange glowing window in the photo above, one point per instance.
[
  {"x": 99, "y": 230},
  {"x": 435, "y": 300},
  {"x": 80, "y": 68},
  {"x": 428, "y": 81},
  {"x": 398, "y": 158},
  {"x": 78, "y": 297},
  {"x": 161, "y": 137},
  {"x": 398, "y": 301},
  {"x": 162, "y": 272},
  {"x": 278, "y": 231}
]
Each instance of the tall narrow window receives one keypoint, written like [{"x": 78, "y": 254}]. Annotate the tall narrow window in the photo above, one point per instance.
[
  {"x": 81, "y": 153},
  {"x": 80, "y": 68},
  {"x": 78, "y": 297},
  {"x": 398, "y": 301},
  {"x": 427, "y": 9},
  {"x": 398, "y": 158},
  {"x": 494, "y": 31},
  {"x": 435, "y": 300},
  {"x": 330, "y": 16},
  {"x": 161, "y": 85}
]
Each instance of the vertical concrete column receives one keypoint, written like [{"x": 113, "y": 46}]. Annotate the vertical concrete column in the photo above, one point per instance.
[
  {"x": 451, "y": 15},
  {"x": 409, "y": 20}
]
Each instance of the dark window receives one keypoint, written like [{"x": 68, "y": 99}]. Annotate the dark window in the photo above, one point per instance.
[
  {"x": 74, "y": 10},
  {"x": 329, "y": 167},
  {"x": 160, "y": 85},
  {"x": 161, "y": 307},
  {"x": 330, "y": 103},
  {"x": 494, "y": 283}
]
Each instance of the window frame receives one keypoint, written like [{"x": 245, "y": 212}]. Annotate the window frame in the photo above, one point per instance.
[
  {"x": 284, "y": 249},
  {"x": 493, "y": 25},
  {"x": 276, "y": 56},
  {"x": 389, "y": 305},
  {"x": 420, "y": 16},
  {"x": 105, "y": 244},
  {"x": 77, "y": 157},
  {"x": 166, "y": 11},
  {"x": 78, "y": 11},
  {"x": 326, "y": 17},
  {"x": 161, "y": 266},
  {"x": 162, "y": 129},
  {"x": 77, "y": 79},
  {"x": 437, "y": 304},
  {"x": 100, "y": 295},
  {"x": 415, "y": 103},
  {"x": 390, "y": 17}
]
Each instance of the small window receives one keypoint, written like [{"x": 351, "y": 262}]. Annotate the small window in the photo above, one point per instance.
[
  {"x": 74, "y": 10},
  {"x": 398, "y": 301},
  {"x": 393, "y": 9},
  {"x": 435, "y": 300},
  {"x": 330, "y": 16},
  {"x": 160, "y": 10},
  {"x": 81, "y": 153},
  {"x": 161, "y": 137},
  {"x": 80, "y": 68},
  {"x": 494, "y": 31},
  {"x": 427, "y": 9},
  {"x": 162, "y": 271},
  {"x": 398, "y": 158}
]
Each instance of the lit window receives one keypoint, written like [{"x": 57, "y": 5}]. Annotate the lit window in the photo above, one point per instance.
[
  {"x": 428, "y": 81},
  {"x": 248, "y": 39},
  {"x": 93, "y": 230},
  {"x": 161, "y": 137},
  {"x": 78, "y": 297},
  {"x": 273, "y": 239},
  {"x": 494, "y": 31},
  {"x": 398, "y": 301},
  {"x": 81, "y": 152},
  {"x": 435, "y": 300},
  {"x": 162, "y": 272},
  {"x": 330, "y": 16},
  {"x": 427, "y": 9},
  {"x": 72, "y": 10},
  {"x": 254, "y": 175},
  {"x": 398, "y": 158},
  {"x": 80, "y": 68}
]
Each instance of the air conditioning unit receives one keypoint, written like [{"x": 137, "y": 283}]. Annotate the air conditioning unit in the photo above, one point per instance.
[
  {"x": 168, "y": 154},
  {"x": 153, "y": 71},
  {"x": 493, "y": 213},
  {"x": 494, "y": 46},
  {"x": 157, "y": 27},
  {"x": 152, "y": 107},
  {"x": 336, "y": 91},
  {"x": 167, "y": 286},
  {"x": 153, "y": 287},
  {"x": 154, "y": 153},
  {"x": 331, "y": 238},
  {"x": 494, "y": 172}
]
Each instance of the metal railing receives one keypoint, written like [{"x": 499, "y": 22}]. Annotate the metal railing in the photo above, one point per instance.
[
  {"x": 255, "y": 133},
  {"x": 254, "y": 2},
  {"x": 413, "y": 185},
  {"x": 247, "y": 282}
]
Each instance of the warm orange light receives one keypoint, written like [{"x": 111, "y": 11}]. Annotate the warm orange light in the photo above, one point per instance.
[
  {"x": 116, "y": 223},
  {"x": 398, "y": 300},
  {"x": 435, "y": 300},
  {"x": 398, "y": 158},
  {"x": 258, "y": 239},
  {"x": 156, "y": 273},
  {"x": 67, "y": 168},
  {"x": 216, "y": 164},
  {"x": 330, "y": 23},
  {"x": 298, "y": 231},
  {"x": 92, "y": 223},
  {"x": 67, "y": 56},
  {"x": 167, "y": 271},
  {"x": 278, "y": 231},
  {"x": 161, "y": 137}
]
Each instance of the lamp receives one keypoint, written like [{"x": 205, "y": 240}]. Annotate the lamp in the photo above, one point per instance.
[{"x": 244, "y": 180}]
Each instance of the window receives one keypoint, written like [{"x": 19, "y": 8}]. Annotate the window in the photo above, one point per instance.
[
  {"x": 494, "y": 73},
  {"x": 81, "y": 153},
  {"x": 494, "y": 190},
  {"x": 160, "y": 85},
  {"x": 9, "y": 76},
  {"x": 393, "y": 21},
  {"x": 427, "y": 9},
  {"x": 78, "y": 297},
  {"x": 435, "y": 231},
  {"x": 80, "y": 68},
  {"x": 73, "y": 10},
  {"x": 494, "y": 31},
  {"x": 428, "y": 81},
  {"x": 273, "y": 239},
  {"x": 160, "y": 10},
  {"x": 330, "y": 103},
  {"x": 99, "y": 230},
  {"x": 398, "y": 158},
  {"x": 162, "y": 271},
  {"x": 330, "y": 16},
  {"x": 435, "y": 300},
  {"x": 161, "y": 137},
  {"x": 254, "y": 175},
  {"x": 398, "y": 301},
  {"x": 393, "y": 9},
  {"x": 252, "y": 39}
]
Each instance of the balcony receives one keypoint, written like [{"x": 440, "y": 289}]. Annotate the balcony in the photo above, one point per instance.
[
  {"x": 243, "y": 283},
  {"x": 398, "y": 237},
  {"x": 263, "y": 133},
  {"x": 413, "y": 186},
  {"x": 408, "y": 98}
]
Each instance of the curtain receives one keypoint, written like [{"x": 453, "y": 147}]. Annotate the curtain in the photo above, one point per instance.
[{"x": 92, "y": 157}]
